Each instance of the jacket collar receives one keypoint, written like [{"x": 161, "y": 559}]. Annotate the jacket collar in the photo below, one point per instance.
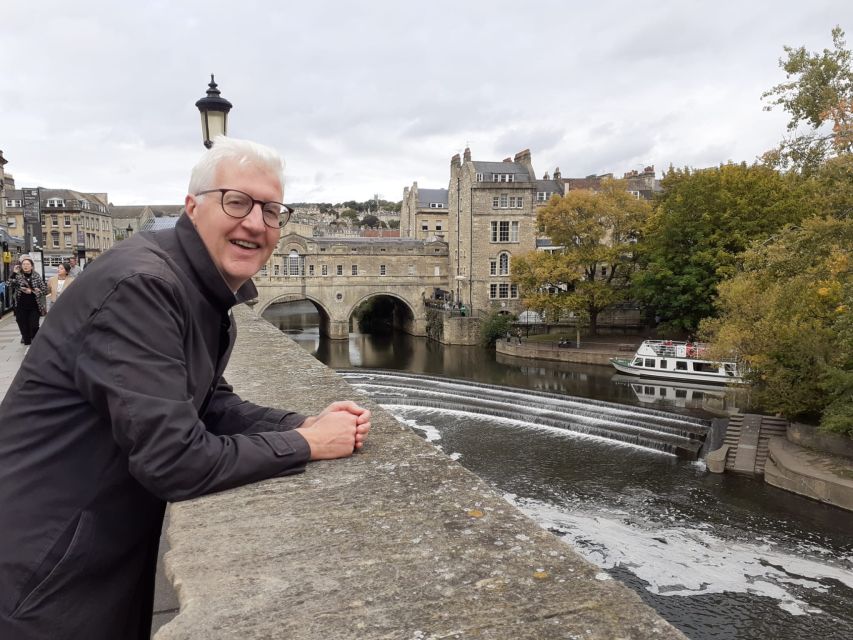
[{"x": 195, "y": 259}]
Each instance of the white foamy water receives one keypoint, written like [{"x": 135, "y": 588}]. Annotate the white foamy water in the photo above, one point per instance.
[{"x": 688, "y": 561}]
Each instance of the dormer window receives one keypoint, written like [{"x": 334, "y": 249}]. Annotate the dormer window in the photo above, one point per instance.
[
  {"x": 85, "y": 204},
  {"x": 503, "y": 177},
  {"x": 542, "y": 196},
  {"x": 479, "y": 177},
  {"x": 55, "y": 203},
  {"x": 436, "y": 205}
]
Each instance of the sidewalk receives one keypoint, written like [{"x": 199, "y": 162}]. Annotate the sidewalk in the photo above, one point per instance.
[{"x": 12, "y": 353}]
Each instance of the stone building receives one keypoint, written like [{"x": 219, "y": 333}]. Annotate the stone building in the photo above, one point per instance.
[
  {"x": 642, "y": 184},
  {"x": 128, "y": 219},
  {"x": 423, "y": 213},
  {"x": 491, "y": 218},
  {"x": 72, "y": 222}
]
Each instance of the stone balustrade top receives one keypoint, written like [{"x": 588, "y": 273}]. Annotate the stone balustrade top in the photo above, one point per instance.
[{"x": 398, "y": 541}]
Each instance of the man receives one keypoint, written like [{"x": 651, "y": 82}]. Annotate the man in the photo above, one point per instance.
[
  {"x": 75, "y": 268},
  {"x": 120, "y": 407}
]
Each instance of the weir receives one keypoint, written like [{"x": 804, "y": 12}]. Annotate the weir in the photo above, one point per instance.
[
  {"x": 398, "y": 541},
  {"x": 659, "y": 430}
]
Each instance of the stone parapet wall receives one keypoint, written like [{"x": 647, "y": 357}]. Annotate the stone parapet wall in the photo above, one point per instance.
[{"x": 398, "y": 541}]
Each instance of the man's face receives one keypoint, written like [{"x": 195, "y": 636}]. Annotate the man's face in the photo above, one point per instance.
[
  {"x": 239, "y": 247},
  {"x": 73, "y": 262}
]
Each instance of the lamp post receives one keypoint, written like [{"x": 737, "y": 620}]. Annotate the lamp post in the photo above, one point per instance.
[
  {"x": 214, "y": 114},
  {"x": 129, "y": 230}
]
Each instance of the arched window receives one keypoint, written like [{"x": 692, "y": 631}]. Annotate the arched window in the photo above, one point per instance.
[
  {"x": 294, "y": 264},
  {"x": 503, "y": 264}
]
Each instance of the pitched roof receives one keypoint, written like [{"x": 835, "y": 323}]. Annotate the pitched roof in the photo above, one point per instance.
[
  {"x": 425, "y": 196},
  {"x": 488, "y": 169}
]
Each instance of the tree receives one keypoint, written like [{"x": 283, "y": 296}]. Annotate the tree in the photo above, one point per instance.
[
  {"x": 592, "y": 270},
  {"x": 370, "y": 221},
  {"x": 787, "y": 316},
  {"x": 702, "y": 223},
  {"x": 350, "y": 214},
  {"x": 819, "y": 94},
  {"x": 393, "y": 224}
]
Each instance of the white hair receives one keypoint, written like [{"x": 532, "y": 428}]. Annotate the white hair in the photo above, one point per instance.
[{"x": 241, "y": 152}]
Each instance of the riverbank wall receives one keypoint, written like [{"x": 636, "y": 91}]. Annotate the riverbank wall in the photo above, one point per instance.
[
  {"x": 398, "y": 541},
  {"x": 590, "y": 353}
]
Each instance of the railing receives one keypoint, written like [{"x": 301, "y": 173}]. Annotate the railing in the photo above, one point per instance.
[{"x": 677, "y": 349}]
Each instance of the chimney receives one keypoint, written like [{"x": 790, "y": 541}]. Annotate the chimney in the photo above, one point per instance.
[
  {"x": 523, "y": 158},
  {"x": 454, "y": 161},
  {"x": 546, "y": 176},
  {"x": 507, "y": 159},
  {"x": 466, "y": 156},
  {"x": 557, "y": 173}
]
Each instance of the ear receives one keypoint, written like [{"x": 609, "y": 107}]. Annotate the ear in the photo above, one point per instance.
[{"x": 190, "y": 205}]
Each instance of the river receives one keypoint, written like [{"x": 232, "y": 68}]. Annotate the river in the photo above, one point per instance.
[{"x": 719, "y": 556}]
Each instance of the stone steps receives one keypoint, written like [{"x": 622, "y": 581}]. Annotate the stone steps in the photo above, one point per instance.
[{"x": 745, "y": 447}]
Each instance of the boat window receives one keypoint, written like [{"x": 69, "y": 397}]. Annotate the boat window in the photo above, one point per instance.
[
  {"x": 650, "y": 391},
  {"x": 730, "y": 369},
  {"x": 650, "y": 362},
  {"x": 663, "y": 390},
  {"x": 680, "y": 365},
  {"x": 638, "y": 362},
  {"x": 663, "y": 364},
  {"x": 681, "y": 393},
  {"x": 705, "y": 367}
]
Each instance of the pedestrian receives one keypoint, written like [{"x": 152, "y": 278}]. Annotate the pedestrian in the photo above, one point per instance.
[
  {"x": 518, "y": 334},
  {"x": 121, "y": 407},
  {"x": 75, "y": 268},
  {"x": 29, "y": 290},
  {"x": 57, "y": 284}
]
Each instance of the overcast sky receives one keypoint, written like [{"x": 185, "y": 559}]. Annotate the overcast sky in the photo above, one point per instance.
[{"x": 367, "y": 97}]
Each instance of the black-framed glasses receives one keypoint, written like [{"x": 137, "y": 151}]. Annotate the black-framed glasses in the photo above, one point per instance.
[{"x": 238, "y": 205}]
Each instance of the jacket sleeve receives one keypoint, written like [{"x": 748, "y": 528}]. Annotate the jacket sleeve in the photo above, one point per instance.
[
  {"x": 132, "y": 367},
  {"x": 228, "y": 414}
]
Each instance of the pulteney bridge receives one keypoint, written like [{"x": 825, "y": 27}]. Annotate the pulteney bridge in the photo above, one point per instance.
[{"x": 339, "y": 274}]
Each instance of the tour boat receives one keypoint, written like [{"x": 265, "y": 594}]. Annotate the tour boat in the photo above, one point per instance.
[{"x": 674, "y": 360}]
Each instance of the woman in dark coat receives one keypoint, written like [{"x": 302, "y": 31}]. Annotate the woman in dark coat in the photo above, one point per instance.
[{"x": 30, "y": 290}]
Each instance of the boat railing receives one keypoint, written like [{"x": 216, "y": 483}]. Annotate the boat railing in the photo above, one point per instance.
[{"x": 677, "y": 349}]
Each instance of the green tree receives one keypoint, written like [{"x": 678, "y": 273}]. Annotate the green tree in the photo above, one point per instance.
[
  {"x": 350, "y": 214},
  {"x": 787, "y": 316},
  {"x": 818, "y": 93},
  {"x": 494, "y": 327},
  {"x": 393, "y": 224},
  {"x": 702, "y": 223},
  {"x": 371, "y": 221},
  {"x": 592, "y": 271}
]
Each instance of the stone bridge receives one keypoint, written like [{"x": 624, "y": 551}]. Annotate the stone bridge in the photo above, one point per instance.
[{"x": 337, "y": 275}]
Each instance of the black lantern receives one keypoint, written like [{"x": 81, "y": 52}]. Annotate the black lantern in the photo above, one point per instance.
[{"x": 214, "y": 114}]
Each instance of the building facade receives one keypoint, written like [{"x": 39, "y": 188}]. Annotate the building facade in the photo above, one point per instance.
[
  {"x": 423, "y": 213},
  {"x": 74, "y": 223}
]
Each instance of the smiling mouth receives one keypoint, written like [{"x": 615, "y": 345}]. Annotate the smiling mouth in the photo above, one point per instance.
[{"x": 245, "y": 244}]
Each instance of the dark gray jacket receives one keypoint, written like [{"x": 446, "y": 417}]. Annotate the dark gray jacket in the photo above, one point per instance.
[{"x": 119, "y": 407}]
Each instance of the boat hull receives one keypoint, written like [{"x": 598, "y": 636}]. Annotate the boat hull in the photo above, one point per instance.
[{"x": 626, "y": 366}]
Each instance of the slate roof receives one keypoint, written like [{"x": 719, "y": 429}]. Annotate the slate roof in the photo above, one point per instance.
[
  {"x": 550, "y": 186},
  {"x": 490, "y": 168},
  {"x": 425, "y": 196}
]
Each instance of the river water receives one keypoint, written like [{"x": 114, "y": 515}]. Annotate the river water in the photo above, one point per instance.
[{"x": 719, "y": 556}]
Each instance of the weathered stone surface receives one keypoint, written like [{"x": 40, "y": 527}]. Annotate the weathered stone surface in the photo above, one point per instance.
[
  {"x": 398, "y": 541},
  {"x": 818, "y": 476},
  {"x": 716, "y": 460}
]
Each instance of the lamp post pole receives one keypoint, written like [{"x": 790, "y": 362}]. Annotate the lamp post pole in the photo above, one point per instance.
[{"x": 214, "y": 114}]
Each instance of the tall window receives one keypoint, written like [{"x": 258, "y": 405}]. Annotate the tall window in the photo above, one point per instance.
[
  {"x": 55, "y": 238},
  {"x": 381, "y": 269},
  {"x": 355, "y": 269},
  {"x": 67, "y": 240},
  {"x": 339, "y": 269},
  {"x": 67, "y": 221},
  {"x": 503, "y": 264},
  {"x": 324, "y": 269},
  {"x": 310, "y": 269},
  {"x": 293, "y": 263}
]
